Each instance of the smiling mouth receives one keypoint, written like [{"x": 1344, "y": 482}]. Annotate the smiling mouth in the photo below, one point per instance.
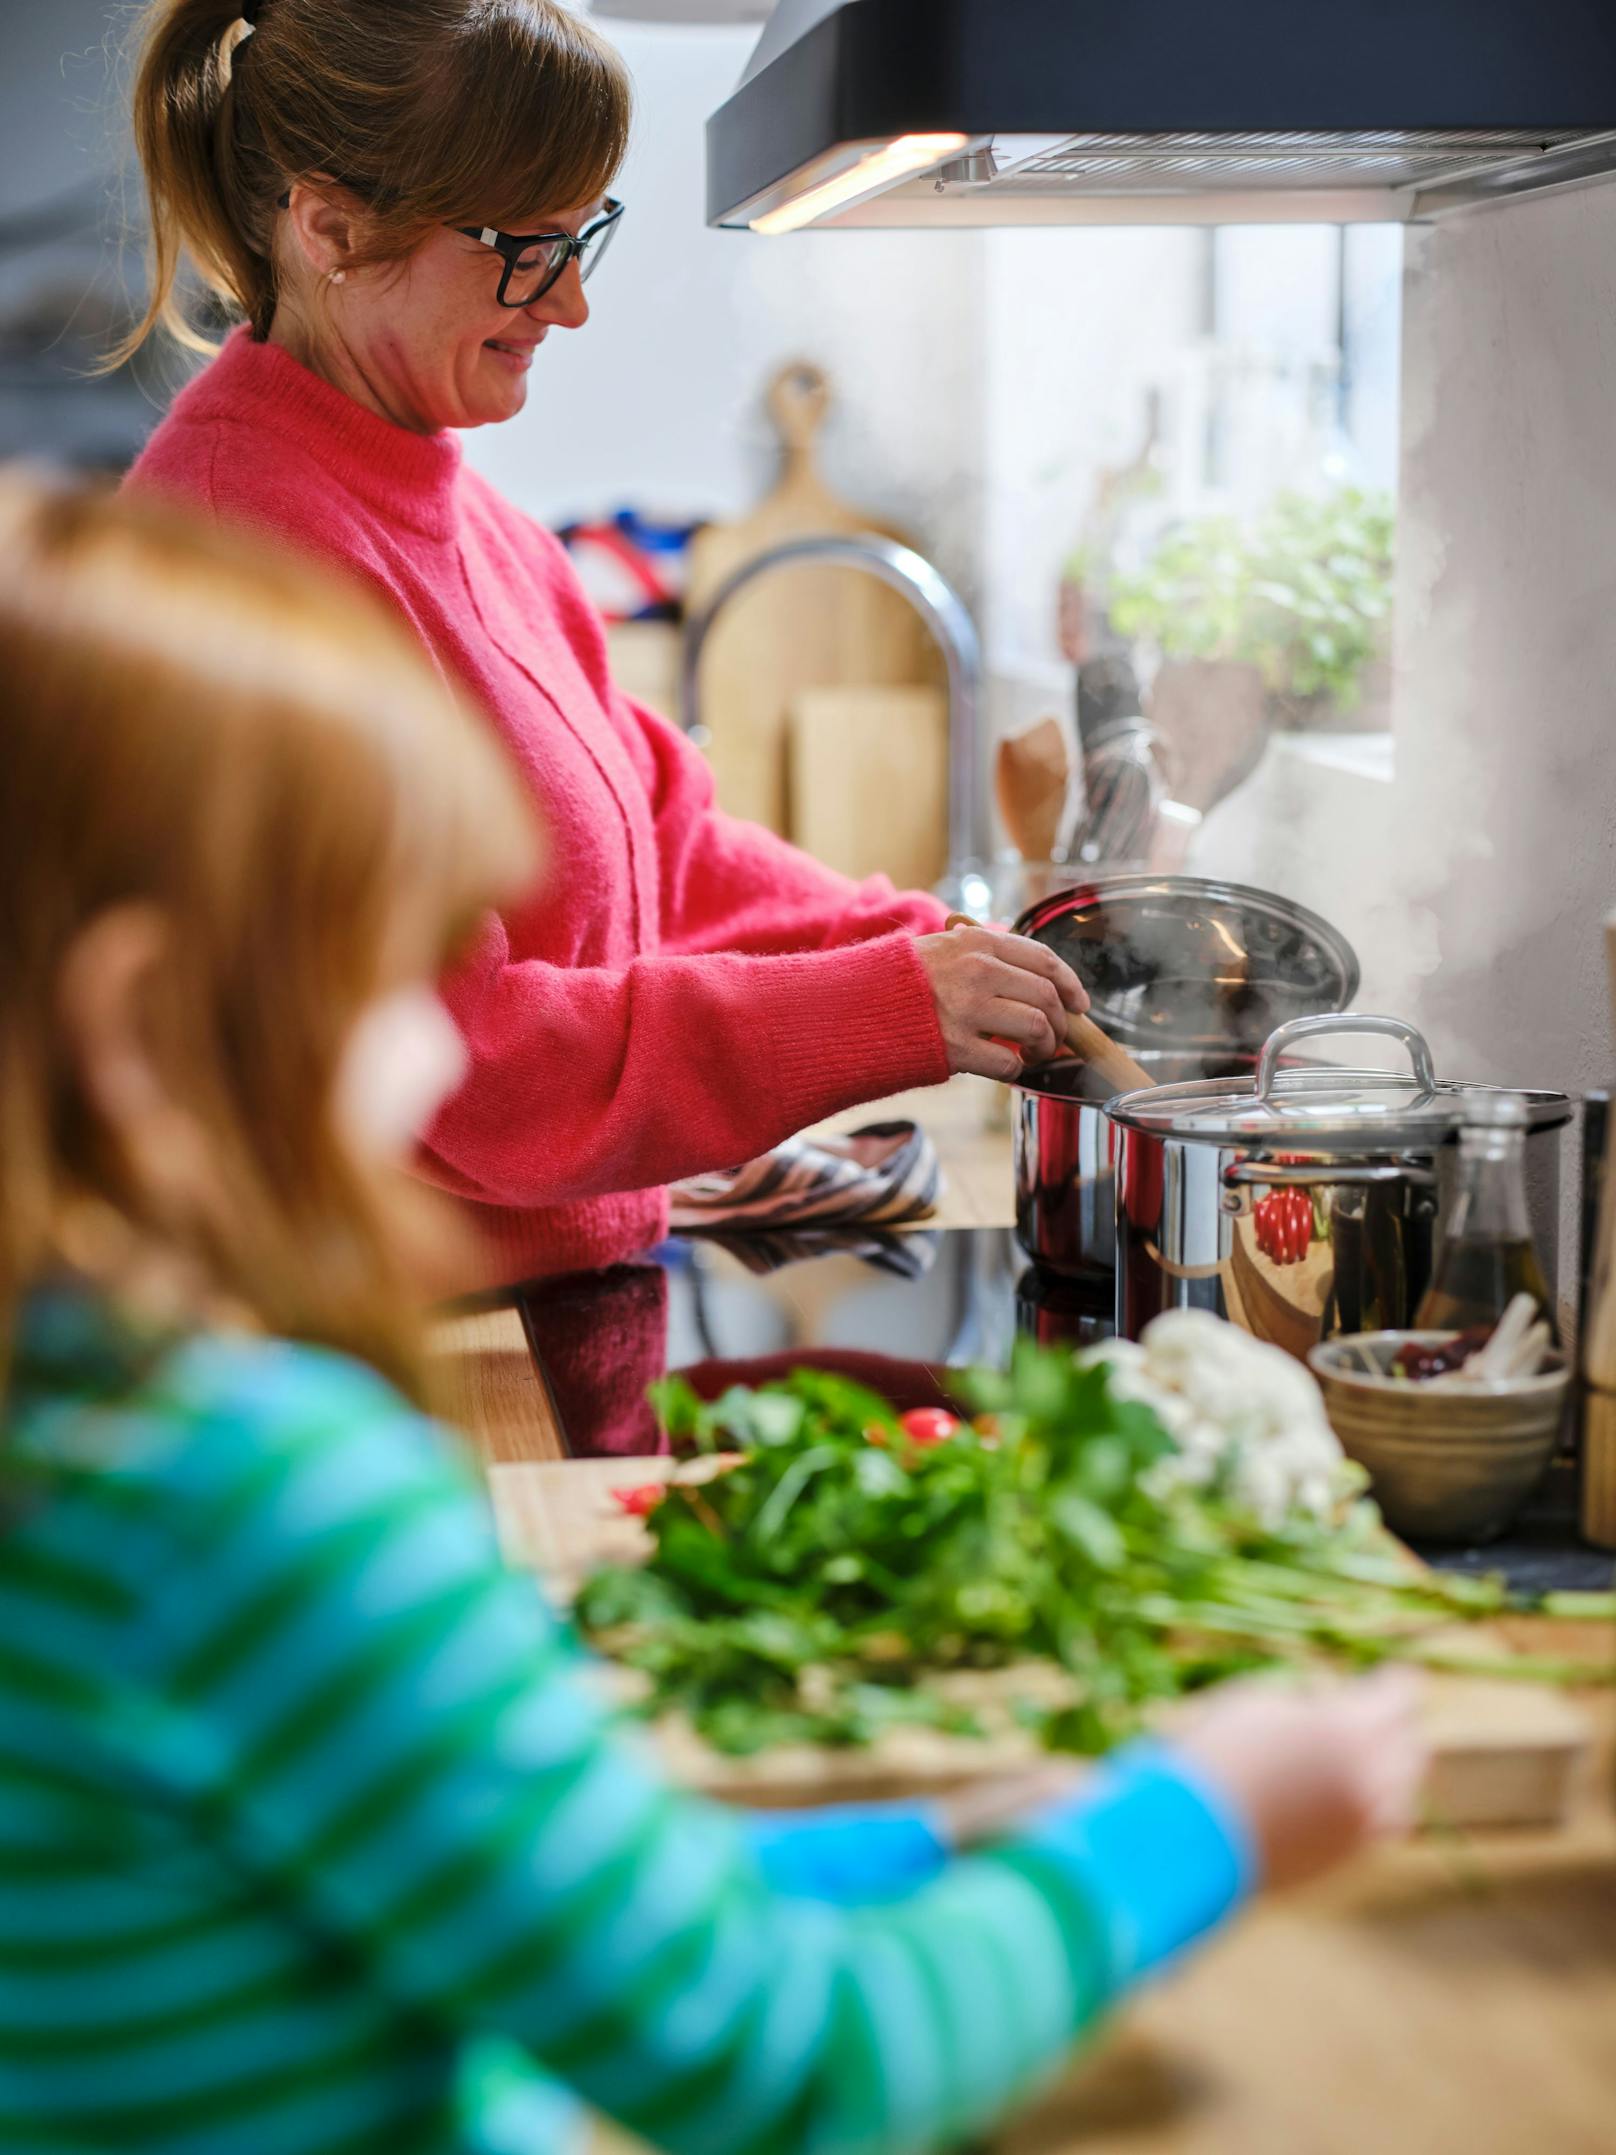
[{"x": 511, "y": 350}]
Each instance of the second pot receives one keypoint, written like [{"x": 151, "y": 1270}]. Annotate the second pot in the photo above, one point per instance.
[{"x": 1213, "y": 1181}]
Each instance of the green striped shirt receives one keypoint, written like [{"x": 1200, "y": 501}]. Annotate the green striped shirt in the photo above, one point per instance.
[{"x": 313, "y": 1837}]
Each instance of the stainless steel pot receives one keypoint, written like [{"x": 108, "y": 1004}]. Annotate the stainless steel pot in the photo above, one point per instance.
[
  {"x": 1372, "y": 1149},
  {"x": 1065, "y": 1147},
  {"x": 1190, "y": 975}
]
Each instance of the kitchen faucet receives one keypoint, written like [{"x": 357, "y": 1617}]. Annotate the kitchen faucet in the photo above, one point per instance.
[{"x": 965, "y": 887}]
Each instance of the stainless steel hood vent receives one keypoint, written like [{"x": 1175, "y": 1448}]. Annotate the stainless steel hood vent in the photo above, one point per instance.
[{"x": 994, "y": 112}]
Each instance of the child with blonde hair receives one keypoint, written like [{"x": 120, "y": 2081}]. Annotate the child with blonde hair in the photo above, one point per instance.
[{"x": 312, "y": 1832}]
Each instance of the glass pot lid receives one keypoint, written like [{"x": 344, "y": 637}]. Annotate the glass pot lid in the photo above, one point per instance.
[
  {"x": 1184, "y": 963},
  {"x": 1321, "y": 1107}
]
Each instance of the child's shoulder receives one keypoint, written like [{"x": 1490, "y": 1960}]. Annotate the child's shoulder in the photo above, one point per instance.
[
  {"x": 273, "y": 1378},
  {"x": 251, "y": 1418}
]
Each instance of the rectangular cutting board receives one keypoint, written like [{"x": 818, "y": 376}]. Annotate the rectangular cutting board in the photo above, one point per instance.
[{"x": 1503, "y": 1754}]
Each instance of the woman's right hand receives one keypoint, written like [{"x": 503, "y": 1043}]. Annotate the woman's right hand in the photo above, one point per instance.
[
  {"x": 1002, "y": 1000},
  {"x": 1316, "y": 1775}
]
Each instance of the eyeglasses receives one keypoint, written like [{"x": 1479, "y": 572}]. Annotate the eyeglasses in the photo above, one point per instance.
[{"x": 535, "y": 260}]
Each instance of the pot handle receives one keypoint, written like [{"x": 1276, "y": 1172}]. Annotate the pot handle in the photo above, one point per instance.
[
  {"x": 1344, "y": 1021},
  {"x": 1269, "y": 1175}
]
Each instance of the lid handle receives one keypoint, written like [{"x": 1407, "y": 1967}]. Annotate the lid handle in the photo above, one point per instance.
[{"x": 1287, "y": 1037}]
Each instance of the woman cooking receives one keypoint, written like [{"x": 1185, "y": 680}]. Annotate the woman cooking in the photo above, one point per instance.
[{"x": 401, "y": 199}]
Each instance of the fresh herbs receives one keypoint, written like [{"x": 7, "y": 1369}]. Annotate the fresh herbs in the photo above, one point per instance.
[
  {"x": 830, "y": 1583},
  {"x": 1304, "y": 594}
]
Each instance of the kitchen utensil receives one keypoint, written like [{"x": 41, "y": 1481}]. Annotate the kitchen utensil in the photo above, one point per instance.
[
  {"x": 1123, "y": 790},
  {"x": 1192, "y": 975},
  {"x": 1210, "y": 719},
  {"x": 1450, "y": 1463},
  {"x": 1199, "y": 1168},
  {"x": 811, "y": 627},
  {"x": 892, "y": 818},
  {"x": 1113, "y": 1065},
  {"x": 1032, "y": 776}
]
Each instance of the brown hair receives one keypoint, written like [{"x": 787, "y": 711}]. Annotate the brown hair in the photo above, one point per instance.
[
  {"x": 254, "y": 750},
  {"x": 433, "y": 112}
]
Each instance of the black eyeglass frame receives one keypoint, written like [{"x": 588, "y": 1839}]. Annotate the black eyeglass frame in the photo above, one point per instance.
[
  {"x": 585, "y": 248},
  {"x": 511, "y": 246}
]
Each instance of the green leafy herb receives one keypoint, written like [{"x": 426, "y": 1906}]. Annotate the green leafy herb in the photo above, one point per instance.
[
  {"x": 817, "y": 1589},
  {"x": 1304, "y": 594}
]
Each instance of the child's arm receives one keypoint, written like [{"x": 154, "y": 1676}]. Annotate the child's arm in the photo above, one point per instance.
[
  {"x": 852, "y": 1853},
  {"x": 406, "y": 1745}
]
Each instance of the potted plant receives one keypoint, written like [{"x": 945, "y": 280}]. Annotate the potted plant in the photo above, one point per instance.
[{"x": 1302, "y": 595}]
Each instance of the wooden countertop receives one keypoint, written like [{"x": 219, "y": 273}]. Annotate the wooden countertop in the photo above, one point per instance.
[
  {"x": 1456, "y": 1993},
  {"x": 1449, "y": 1997}
]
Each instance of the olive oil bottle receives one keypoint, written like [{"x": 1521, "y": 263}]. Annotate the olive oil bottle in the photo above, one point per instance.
[{"x": 1487, "y": 1256}]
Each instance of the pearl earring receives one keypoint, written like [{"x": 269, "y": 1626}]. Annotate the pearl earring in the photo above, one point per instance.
[{"x": 339, "y": 276}]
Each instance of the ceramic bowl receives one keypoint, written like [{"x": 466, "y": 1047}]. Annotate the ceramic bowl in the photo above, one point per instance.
[{"x": 1446, "y": 1463}]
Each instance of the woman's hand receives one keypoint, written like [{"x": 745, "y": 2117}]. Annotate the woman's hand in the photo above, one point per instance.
[
  {"x": 1316, "y": 1775},
  {"x": 1002, "y": 1000}
]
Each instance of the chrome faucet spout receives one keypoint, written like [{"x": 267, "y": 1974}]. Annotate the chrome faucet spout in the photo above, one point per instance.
[{"x": 945, "y": 614}]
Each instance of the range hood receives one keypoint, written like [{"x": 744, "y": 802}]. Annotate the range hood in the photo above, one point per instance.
[{"x": 1010, "y": 112}]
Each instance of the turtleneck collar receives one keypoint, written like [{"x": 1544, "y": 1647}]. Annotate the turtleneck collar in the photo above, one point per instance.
[{"x": 408, "y": 477}]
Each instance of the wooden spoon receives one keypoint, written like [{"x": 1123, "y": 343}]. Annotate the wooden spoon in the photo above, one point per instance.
[
  {"x": 1088, "y": 1043},
  {"x": 1032, "y": 775}
]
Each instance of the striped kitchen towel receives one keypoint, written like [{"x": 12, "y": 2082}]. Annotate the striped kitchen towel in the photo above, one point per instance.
[{"x": 883, "y": 1176}]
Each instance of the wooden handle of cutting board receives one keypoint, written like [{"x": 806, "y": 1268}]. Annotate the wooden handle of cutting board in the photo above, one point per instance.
[
  {"x": 799, "y": 398},
  {"x": 1088, "y": 1043}
]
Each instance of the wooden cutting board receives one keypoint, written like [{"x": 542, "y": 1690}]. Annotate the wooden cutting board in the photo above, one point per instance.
[
  {"x": 796, "y": 628},
  {"x": 1504, "y": 1754},
  {"x": 868, "y": 781}
]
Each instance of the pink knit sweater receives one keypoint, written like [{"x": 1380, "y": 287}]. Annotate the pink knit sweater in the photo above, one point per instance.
[{"x": 685, "y": 990}]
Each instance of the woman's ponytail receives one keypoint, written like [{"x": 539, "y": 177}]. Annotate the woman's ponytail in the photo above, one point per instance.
[{"x": 209, "y": 188}]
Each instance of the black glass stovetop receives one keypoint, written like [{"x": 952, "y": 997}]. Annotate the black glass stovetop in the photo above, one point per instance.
[{"x": 898, "y": 1312}]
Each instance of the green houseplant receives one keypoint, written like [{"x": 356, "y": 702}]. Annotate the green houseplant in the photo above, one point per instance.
[{"x": 1303, "y": 594}]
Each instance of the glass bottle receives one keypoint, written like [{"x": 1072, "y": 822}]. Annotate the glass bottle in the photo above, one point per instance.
[{"x": 1487, "y": 1256}]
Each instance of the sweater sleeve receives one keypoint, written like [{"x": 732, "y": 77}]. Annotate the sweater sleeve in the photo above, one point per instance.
[
  {"x": 390, "y": 1733},
  {"x": 586, "y": 1080},
  {"x": 731, "y": 885}
]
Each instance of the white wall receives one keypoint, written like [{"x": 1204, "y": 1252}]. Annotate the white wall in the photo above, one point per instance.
[
  {"x": 1079, "y": 323},
  {"x": 1475, "y": 881},
  {"x": 1507, "y": 702}
]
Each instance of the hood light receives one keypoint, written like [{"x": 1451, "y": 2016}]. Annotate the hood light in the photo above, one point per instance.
[{"x": 880, "y": 168}]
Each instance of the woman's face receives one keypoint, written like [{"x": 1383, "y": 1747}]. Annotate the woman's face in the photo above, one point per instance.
[{"x": 429, "y": 340}]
